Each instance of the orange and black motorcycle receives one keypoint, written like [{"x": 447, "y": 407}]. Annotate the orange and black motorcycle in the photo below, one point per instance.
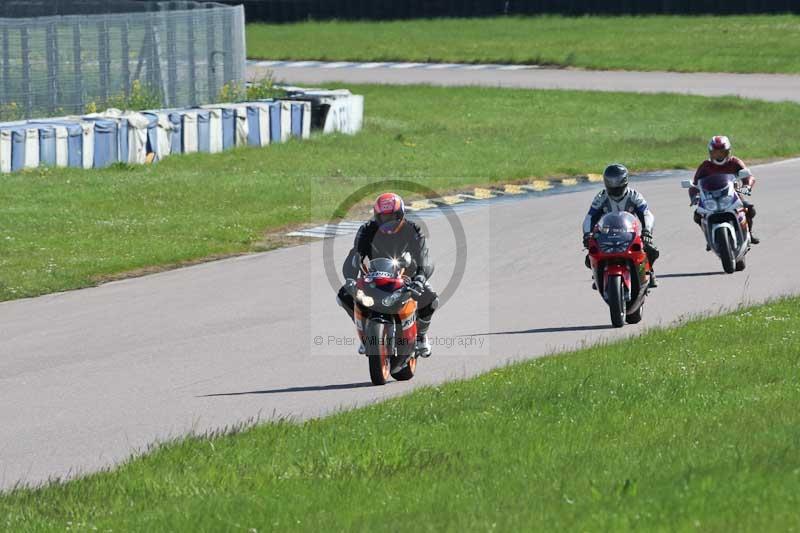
[{"x": 386, "y": 318}]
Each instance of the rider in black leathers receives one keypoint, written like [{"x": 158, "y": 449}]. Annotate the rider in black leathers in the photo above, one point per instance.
[{"x": 390, "y": 234}]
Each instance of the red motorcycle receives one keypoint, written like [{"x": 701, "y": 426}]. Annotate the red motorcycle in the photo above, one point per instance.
[
  {"x": 620, "y": 266},
  {"x": 386, "y": 318}
]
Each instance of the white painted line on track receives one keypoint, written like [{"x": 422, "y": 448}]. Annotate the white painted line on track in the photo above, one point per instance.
[
  {"x": 439, "y": 66},
  {"x": 339, "y": 64},
  {"x": 300, "y": 64},
  {"x": 371, "y": 65},
  {"x": 406, "y": 65},
  {"x": 392, "y": 65}
]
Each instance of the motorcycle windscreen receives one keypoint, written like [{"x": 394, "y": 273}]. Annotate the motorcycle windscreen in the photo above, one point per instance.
[
  {"x": 716, "y": 182},
  {"x": 383, "y": 266},
  {"x": 616, "y": 232}
]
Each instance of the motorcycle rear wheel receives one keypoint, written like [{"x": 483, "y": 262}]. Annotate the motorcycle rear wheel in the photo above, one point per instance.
[
  {"x": 378, "y": 347},
  {"x": 616, "y": 301}
]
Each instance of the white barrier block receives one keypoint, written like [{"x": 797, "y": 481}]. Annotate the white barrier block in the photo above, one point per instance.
[
  {"x": 137, "y": 137},
  {"x": 31, "y": 147},
  {"x": 88, "y": 144},
  {"x": 356, "y": 113},
  {"x": 62, "y": 146},
  {"x": 215, "y": 130},
  {"x": 5, "y": 151},
  {"x": 242, "y": 127},
  {"x": 263, "y": 125},
  {"x": 189, "y": 132},
  {"x": 286, "y": 120},
  {"x": 307, "y": 120},
  {"x": 163, "y": 136}
]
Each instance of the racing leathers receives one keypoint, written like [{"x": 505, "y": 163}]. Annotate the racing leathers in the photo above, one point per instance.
[
  {"x": 632, "y": 202},
  {"x": 372, "y": 243}
]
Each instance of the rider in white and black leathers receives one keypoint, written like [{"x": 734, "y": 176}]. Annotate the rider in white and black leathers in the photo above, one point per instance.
[{"x": 617, "y": 196}]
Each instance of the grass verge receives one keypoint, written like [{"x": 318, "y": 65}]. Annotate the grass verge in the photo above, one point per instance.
[
  {"x": 696, "y": 427},
  {"x": 65, "y": 228},
  {"x": 753, "y": 43}
]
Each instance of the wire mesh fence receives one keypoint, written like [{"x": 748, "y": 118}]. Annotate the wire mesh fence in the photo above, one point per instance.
[{"x": 86, "y": 55}]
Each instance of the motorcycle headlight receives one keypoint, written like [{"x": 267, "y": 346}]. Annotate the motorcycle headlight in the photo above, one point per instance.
[
  {"x": 363, "y": 299},
  {"x": 725, "y": 202},
  {"x": 710, "y": 204},
  {"x": 613, "y": 247}
]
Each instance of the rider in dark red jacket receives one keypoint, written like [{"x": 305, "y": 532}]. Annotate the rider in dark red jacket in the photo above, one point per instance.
[{"x": 720, "y": 161}]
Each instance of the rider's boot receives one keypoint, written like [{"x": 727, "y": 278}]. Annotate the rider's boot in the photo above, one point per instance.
[
  {"x": 753, "y": 238},
  {"x": 653, "y": 281},
  {"x": 423, "y": 347}
]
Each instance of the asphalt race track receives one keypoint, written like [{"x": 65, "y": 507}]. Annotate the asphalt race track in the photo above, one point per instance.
[
  {"x": 91, "y": 376},
  {"x": 772, "y": 87}
]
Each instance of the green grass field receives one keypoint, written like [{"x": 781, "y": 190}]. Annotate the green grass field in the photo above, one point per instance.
[
  {"x": 698, "y": 43},
  {"x": 693, "y": 428},
  {"x": 63, "y": 229}
]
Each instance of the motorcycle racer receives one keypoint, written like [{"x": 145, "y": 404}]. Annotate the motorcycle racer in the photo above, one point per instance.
[
  {"x": 390, "y": 234},
  {"x": 720, "y": 161},
  {"x": 617, "y": 196}
]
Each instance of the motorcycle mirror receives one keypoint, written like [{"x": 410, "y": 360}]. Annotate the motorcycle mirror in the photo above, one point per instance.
[{"x": 686, "y": 184}]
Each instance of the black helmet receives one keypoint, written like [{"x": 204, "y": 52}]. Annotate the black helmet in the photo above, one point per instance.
[{"x": 615, "y": 178}]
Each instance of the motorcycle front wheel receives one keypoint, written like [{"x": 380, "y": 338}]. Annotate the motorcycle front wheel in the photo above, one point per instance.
[
  {"x": 378, "y": 345},
  {"x": 407, "y": 372},
  {"x": 636, "y": 316},
  {"x": 725, "y": 250},
  {"x": 616, "y": 300}
]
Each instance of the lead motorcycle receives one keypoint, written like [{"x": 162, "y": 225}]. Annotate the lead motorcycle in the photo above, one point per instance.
[
  {"x": 386, "y": 317},
  {"x": 723, "y": 217},
  {"x": 620, "y": 266}
]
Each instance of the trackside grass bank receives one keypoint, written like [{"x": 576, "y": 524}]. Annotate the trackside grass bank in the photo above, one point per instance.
[
  {"x": 696, "y": 427},
  {"x": 63, "y": 228},
  {"x": 760, "y": 43}
]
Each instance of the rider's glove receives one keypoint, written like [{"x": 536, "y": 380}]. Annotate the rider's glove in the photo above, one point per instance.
[
  {"x": 418, "y": 284},
  {"x": 647, "y": 237},
  {"x": 350, "y": 286},
  {"x": 586, "y": 237}
]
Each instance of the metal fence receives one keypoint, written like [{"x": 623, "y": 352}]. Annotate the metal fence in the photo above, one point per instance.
[
  {"x": 88, "y": 54},
  {"x": 299, "y": 10}
]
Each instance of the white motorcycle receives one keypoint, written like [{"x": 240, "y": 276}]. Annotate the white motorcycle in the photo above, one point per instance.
[{"x": 723, "y": 217}]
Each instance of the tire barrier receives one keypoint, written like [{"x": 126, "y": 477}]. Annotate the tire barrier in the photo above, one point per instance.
[
  {"x": 331, "y": 111},
  {"x": 99, "y": 140}
]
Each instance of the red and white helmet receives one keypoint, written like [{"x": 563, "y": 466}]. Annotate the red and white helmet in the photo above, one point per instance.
[
  {"x": 719, "y": 150},
  {"x": 389, "y": 212}
]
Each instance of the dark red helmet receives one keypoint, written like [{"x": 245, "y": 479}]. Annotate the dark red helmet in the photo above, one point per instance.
[
  {"x": 719, "y": 149},
  {"x": 389, "y": 212}
]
